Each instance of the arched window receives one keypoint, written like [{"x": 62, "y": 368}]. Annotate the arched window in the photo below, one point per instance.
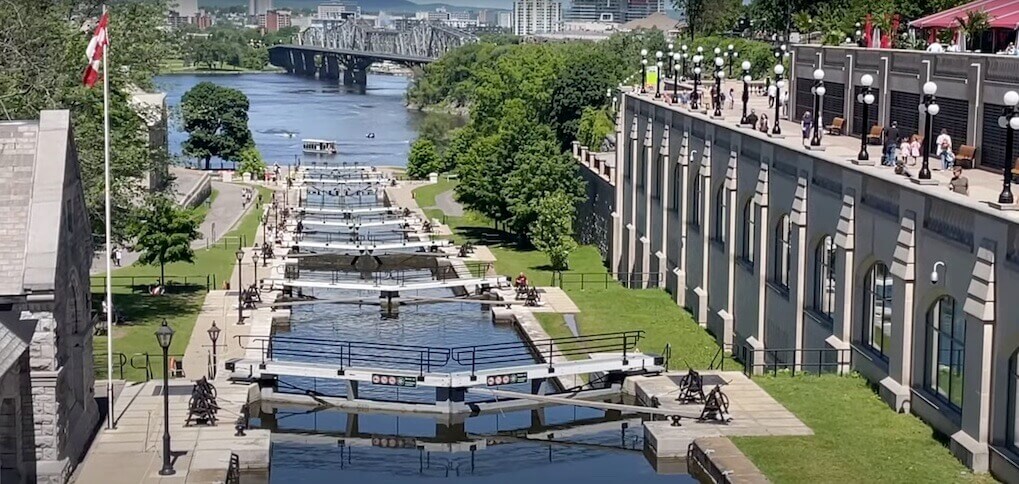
[
  {"x": 721, "y": 214},
  {"x": 696, "y": 211},
  {"x": 782, "y": 252},
  {"x": 946, "y": 351},
  {"x": 749, "y": 227},
  {"x": 877, "y": 313},
  {"x": 824, "y": 278}
]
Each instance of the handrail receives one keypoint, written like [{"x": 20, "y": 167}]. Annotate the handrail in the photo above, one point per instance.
[
  {"x": 630, "y": 280},
  {"x": 99, "y": 363},
  {"x": 772, "y": 361},
  {"x": 718, "y": 361},
  {"x": 149, "y": 373},
  {"x": 201, "y": 280}
]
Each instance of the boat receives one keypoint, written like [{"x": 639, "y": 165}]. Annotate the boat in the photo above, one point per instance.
[{"x": 319, "y": 146}]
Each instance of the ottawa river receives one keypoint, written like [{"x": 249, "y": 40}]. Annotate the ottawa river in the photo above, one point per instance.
[{"x": 309, "y": 108}]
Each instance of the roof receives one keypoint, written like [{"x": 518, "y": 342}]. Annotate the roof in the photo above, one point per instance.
[
  {"x": 15, "y": 336},
  {"x": 657, "y": 20},
  {"x": 1001, "y": 14},
  {"x": 31, "y": 200}
]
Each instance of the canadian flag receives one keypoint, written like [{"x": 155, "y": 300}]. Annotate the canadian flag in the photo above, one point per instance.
[{"x": 95, "y": 51}]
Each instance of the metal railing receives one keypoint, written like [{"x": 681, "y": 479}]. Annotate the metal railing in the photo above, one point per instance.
[
  {"x": 594, "y": 280},
  {"x": 143, "y": 361},
  {"x": 783, "y": 360},
  {"x": 233, "y": 471},
  {"x": 524, "y": 352},
  {"x": 400, "y": 277},
  {"x": 228, "y": 242},
  {"x": 143, "y": 283},
  {"x": 718, "y": 361},
  {"x": 99, "y": 365}
]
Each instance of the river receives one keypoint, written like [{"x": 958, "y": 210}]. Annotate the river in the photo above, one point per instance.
[{"x": 309, "y": 108}]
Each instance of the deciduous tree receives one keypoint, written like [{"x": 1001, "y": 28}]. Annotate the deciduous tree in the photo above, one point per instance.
[
  {"x": 163, "y": 233},
  {"x": 216, "y": 119},
  {"x": 423, "y": 159},
  {"x": 552, "y": 231}
]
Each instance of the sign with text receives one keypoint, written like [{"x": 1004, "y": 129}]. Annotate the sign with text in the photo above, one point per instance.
[
  {"x": 496, "y": 380},
  {"x": 394, "y": 381}
]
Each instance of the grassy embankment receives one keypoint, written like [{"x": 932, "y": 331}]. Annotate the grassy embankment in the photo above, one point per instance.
[
  {"x": 179, "y": 306},
  {"x": 176, "y": 66},
  {"x": 856, "y": 437}
]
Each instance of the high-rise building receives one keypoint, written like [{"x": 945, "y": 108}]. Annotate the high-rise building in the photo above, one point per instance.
[
  {"x": 275, "y": 20},
  {"x": 331, "y": 15},
  {"x": 505, "y": 20},
  {"x": 258, "y": 7},
  {"x": 536, "y": 17},
  {"x": 184, "y": 8},
  {"x": 612, "y": 10}
]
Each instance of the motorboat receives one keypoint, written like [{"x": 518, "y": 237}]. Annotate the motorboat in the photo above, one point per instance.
[{"x": 321, "y": 146}]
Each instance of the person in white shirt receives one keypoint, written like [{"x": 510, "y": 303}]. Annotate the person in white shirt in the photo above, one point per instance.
[
  {"x": 944, "y": 149},
  {"x": 935, "y": 47}
]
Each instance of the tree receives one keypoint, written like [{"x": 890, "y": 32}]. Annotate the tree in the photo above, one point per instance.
[
  {"x": 584, "y": 82},
  {"x": 540, "y": 170},
  {"x": 216, "y": 119},
  {"x": 974, "y": 24},
  {"x": 252, "y": 162},
  {"x": 594, "y": 126},
  {"x": 707, "y": 17},
  {"x": 424, "y": 159},
  {"x": 552, "y": 232},
  {"x": 163, "y": 233}
]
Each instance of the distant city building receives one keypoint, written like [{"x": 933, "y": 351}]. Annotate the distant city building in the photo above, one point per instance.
[
  {"x": 656, "y": 21},
  {"x": 458, "y": 20},
  {"x": 187, "y": 13},
  {"x": 612, "y": 10},
  {"x": 258, "y": 7},
  {"x": 331, "y": 15},
  {"x": 276, "y": 20},
  {"x": 532, "y": 17},
  {"x": 505, "y": 20},
  {"x": 301, "y": 22},
  {"x": 184, "y": 8}
]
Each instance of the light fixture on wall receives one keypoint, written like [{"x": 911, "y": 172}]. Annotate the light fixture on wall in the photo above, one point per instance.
[{"x": 934, "y": 273}]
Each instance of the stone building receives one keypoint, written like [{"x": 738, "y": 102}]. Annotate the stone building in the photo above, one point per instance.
[
  {"x": 798, "y": 259},
  {"x": 47, "y": 407}
]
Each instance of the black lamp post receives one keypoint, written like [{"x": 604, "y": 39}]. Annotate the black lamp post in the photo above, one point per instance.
[
  {"x": 675, "y": 76},
  {"x": 779, "y": 83},
  {"x": 669, "y": 56},
  {"x": 254, "y": 263},
  {"x": 695, "y": 99},
  {"x": 240, "y": 285},
  {"x": 929, "y": 107},
  {"x": 164, "y": 336},
  {"x": 643, "y": 69},
  {"x": 1009, "y": 120},
  {"x": 818, "y": 90},
  {"x": 214, "y": 336},
  {"x": 746, "y": 90},
  {"x": 685, "y": 55},
  {"x": 658, "y": 75},
  {"x": 731, "y": 56},
  {"x": 719, "y": 75},
  {"x": 866, "y": 97}
]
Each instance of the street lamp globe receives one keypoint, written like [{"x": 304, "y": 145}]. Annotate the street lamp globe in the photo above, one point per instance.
[
  {"x": 718, "y": 51},
  {"x": 730, "y": 47},
  {"x": 164, "y": 335},
  {"x": 747, "y": 78},
  {"x": 868, "y": 98},
  {"x": 684, "y": 47},
  {"x": 779, "y": 69},
  {"x": 643, "y": 62},
  {"x": 643, "y": 52},
  {"x": 697, "y": 70},
  {"x": 700, "y": 49},
  {"x": 658, "y": 55},
  {"x": 670, "y": 45},
  {"x": 676, "y": 56},
  {"x": 659, "y": 64},
  {"x": 780, "y": 83},
  {"x": 1011, "y": 98},
  {"x": 745, "y": 65},
  {"x": 818, "y": 74},
  {"x": 821, "y": 90},
  {"x": 867, "y": 80},
  {"x": 934, "y": 109},
  {"x": 721, "y": 74},
  {"x": 719, "y": 62},
  {"x": 849, "y": 41},
  {"x": 1014, "y": 123},
  {"x": 930, "y": 88}
]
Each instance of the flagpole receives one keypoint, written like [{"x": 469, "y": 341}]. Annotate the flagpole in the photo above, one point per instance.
[{"x": 110, "y": 424}]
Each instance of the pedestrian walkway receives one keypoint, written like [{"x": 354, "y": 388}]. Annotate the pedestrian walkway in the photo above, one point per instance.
[{"x": 446, "y": 202}]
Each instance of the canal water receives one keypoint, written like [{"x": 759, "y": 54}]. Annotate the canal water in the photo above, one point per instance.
[
  {"x": 554, "y": 444},
  {"x": 286, "y": 108}
]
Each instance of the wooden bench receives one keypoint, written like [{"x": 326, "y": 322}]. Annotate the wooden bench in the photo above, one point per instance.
[
  {"x": 836, "y": 126},
  {"x": 965, "y": 156},
  {"x": 1015, "y": 168},
  {"x": 874, "y": 137}
]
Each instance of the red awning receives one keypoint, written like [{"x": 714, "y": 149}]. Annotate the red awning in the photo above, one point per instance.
[{"x": 1002, "y": 14}]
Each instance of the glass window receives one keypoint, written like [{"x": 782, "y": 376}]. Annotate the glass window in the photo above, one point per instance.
[
  {"x": 721, "y": 214},
  {"x": 782, "y": 252},
  {"x": 877, "y": 302},
  {"x": 946, "y": 351},
  {"x": 696, "y": 217},
  {"x": 677, "y": 188},
  {"x": 1012, "y": 429},
  {"x": 749, "y": 226},
  {"x": 824, "y": 278}
]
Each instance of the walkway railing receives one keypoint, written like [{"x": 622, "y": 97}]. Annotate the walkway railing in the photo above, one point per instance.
[
  {"x": 399, "y": 277},
  {"x": 811, "y": 360},
  {"x": 99, "y": 365},
  {"x": 143, "y": 283},
  {"x": 524, "y": 352},
  {"x": 594, "y": 280},
  {"x": 137, "y": 361}
]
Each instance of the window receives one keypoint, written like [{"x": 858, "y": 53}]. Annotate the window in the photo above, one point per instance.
[
  {"x": 656, "y": 190},
  {"x": 749, "y": 226},
  {"x": 782, "y": 249},
  {"x": 824, "y": 278},
  {"x": 877, "y": 302},
  {"x": 721, "y": 214},
  {"x": 677, "y": 188},
  {"x": 946, "y": 351},
  {"x": 696, "y": 217}
]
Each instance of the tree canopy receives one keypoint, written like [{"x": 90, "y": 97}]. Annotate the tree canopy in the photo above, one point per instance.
[
  {"x": 163, "y": 233},
  {"x": 552, "y": 231},
  {"x": 216, "y": 120},
  {"x": 423, "y": 159}
]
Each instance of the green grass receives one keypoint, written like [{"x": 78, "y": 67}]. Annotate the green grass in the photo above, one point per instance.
[
  {"x": 179, "y": 306},
  {"x": 202, "y": 210},
  {"x": 425, "y": 195},
  {"x": 856, "y": 438},
  {"x": 176, "y": 66}
]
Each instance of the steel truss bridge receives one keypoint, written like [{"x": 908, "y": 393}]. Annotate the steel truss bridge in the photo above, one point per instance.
[{"x": 322, "y": 50}]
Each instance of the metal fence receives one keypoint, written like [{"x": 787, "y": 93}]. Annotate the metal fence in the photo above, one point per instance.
[
  {"x": 143, "y": 283},
  {"x": 139, "y": 361},
  {"x": 784, "y": 360},
  {"x": 228, "y": 242},
  {"x": 595, "y": 280}
]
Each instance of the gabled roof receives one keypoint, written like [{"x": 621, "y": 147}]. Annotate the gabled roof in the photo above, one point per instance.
[{"x": 1001, "y": 14}]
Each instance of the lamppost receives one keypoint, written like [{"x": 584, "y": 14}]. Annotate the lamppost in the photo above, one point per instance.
[
  {"x": 669, "y": 56},
  {"x": 746, "y": 90},
  {"x": 731, "y": 56},
  {"x": 1009, "y": 120},
  {"x": 658, "y": 76},
  {"x": 240, "y": 287},
  {"x": 719, "y": 75},
  {"x": 695, "y": 99},
  {"x": 254, "y": 263},
  {"x": 929, "y": 108},
  {"x": 866, "y": 97},
  {"x": 779, "y": 83},
  {"x": 675, "y": 75},
  {"x": 685, "y": 55},
  {"x": 214, "y": 336},
  {"x": 643, "y": 69},
  {"x": 164, "y": 335},
  {"x": 818, "y": 91}
]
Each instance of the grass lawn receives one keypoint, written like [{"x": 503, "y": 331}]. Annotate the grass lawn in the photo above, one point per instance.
[
  {"x": 856, "y": 438},
  {"x": 180, "y": 306},
  {"x": 425, "y": 196}
]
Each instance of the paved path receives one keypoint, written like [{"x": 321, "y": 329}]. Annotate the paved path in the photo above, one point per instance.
[{"x": 446, "y": 202}]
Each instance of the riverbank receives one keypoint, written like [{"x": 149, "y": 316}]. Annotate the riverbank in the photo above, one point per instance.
[{"x": 176, "y": 66}]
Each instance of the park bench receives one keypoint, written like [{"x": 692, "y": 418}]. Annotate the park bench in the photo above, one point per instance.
[
  {"x": 874, "y": 137},
  {"x": 836, "y": 127},
  {"x": 965, "y": 156}
]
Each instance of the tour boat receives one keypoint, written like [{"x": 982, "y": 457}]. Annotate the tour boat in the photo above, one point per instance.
[{"x": 319, "y": 146}]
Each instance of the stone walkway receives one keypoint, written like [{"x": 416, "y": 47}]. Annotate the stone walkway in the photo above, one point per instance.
[
  {"x": 446, "y": 202},
  {"x": 555, "y": 300}
]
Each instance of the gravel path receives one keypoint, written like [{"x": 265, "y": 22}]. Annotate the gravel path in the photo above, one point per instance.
[{"x": 448, "y": 204}]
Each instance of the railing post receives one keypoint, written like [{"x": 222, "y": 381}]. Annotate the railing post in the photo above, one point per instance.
[
  {"x": 551, "y": 369},
  {"x": 625, "y": 339}
]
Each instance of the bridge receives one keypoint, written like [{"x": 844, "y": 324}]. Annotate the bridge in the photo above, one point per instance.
[{"x": 321, "y": 51}]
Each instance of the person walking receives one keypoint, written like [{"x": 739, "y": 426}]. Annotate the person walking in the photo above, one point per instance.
[
  {"x": 806, "y": 124},
  {"x": 890, "y": 144},
  {"x": 944, "y": 149},
  {"x": 117, "y": 256},
  {"x": 914, "y": 149},
  {"x": 732, "y": 98}
]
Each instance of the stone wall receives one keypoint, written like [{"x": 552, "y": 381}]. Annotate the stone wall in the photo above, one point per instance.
[{"x": 594, "y": 216}]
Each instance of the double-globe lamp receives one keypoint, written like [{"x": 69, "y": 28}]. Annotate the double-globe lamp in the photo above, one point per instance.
[{"x": 866, "y": 98}]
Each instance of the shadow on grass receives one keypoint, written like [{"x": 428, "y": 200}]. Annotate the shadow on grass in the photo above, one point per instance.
[{"x": 140, "y": 308}]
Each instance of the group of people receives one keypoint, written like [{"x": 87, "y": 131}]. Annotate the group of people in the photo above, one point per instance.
[
  {"x": 758, "y": 123},
  {"x": 247, "y": 195},
  {"x": 901, "y": 151}
]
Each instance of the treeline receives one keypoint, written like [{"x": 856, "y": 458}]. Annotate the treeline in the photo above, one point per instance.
[{"x": 229, "y": 46}]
